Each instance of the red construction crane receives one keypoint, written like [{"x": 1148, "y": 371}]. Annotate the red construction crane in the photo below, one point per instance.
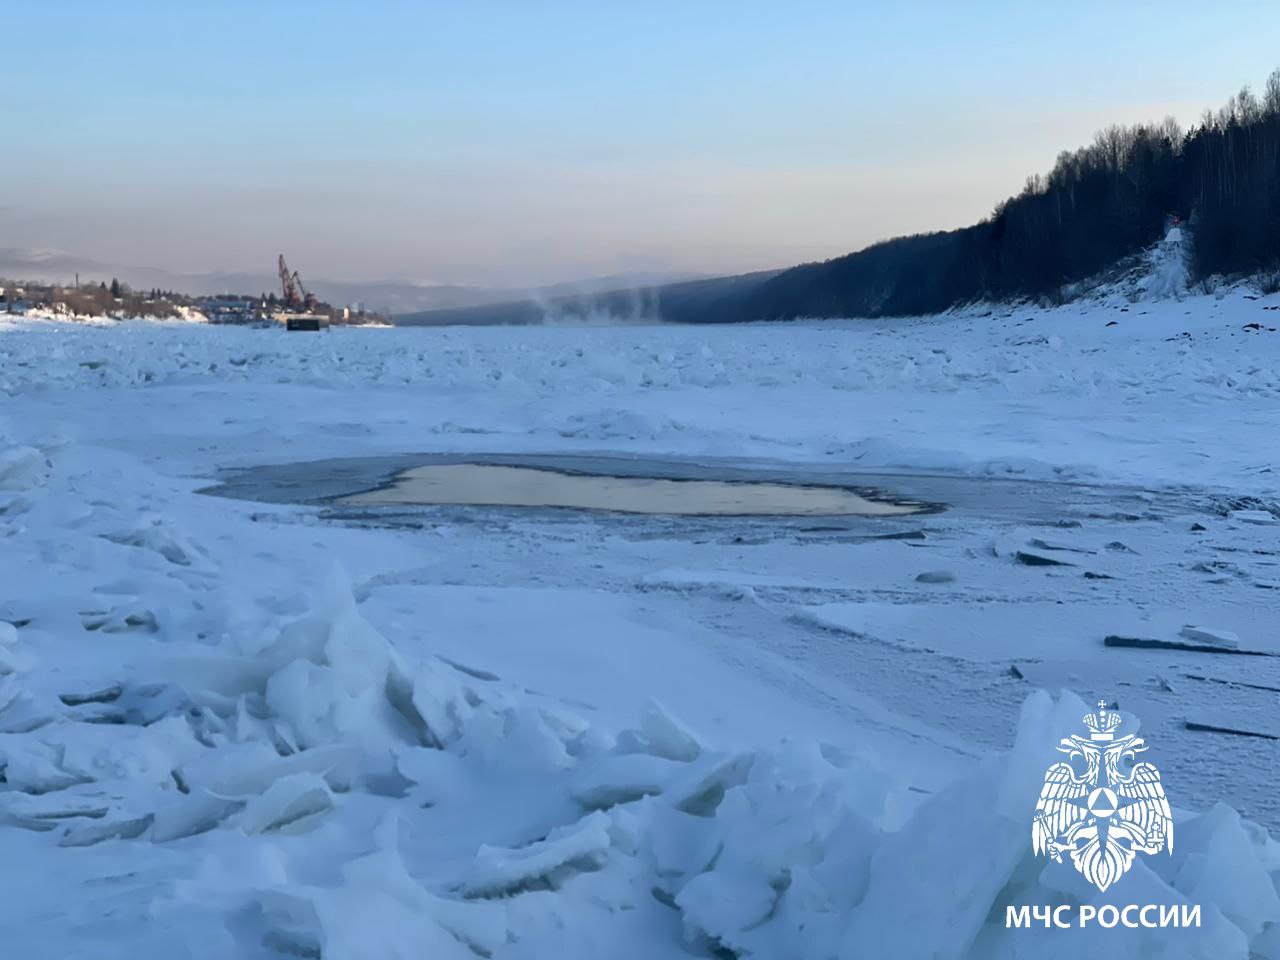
[
  {"x": 295, "y": 294},
  {"x": 290, "y": 292}
]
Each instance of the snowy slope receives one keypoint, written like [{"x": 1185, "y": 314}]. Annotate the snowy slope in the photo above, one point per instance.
[
  {"x": 239, "y": 729},
  {"x": 1161, "y": 272}
]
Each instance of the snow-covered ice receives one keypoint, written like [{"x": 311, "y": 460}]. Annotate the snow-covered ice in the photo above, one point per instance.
[{"x": 262, "y": 730}]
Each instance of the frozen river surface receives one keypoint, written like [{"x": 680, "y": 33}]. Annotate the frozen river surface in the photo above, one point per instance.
[{"x": 300, "y": 719}]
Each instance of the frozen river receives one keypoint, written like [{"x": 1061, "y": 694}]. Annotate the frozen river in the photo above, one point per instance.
[{"x": 409, "y": 675}]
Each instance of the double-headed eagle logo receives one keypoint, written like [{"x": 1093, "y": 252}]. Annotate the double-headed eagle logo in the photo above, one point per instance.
[{"x": 1099, "y": 807}]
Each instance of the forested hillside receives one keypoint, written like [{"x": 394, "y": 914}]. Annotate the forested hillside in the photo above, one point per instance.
[{"x": 1098, "y": 205}]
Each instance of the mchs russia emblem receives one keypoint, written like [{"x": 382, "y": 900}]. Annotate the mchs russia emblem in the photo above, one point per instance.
[{"x": 1099, "y": 807}]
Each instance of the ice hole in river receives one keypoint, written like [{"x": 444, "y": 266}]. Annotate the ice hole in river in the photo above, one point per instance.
[{"x": 492, "y": 485}]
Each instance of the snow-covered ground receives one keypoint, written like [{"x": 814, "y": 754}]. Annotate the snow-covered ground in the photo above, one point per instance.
[{"x": 233, "y": 728}]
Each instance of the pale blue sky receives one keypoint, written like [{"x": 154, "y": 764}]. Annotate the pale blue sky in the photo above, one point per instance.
[{"x": 485, "y": 142}]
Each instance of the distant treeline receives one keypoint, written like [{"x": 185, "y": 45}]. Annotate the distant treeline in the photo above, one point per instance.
[
  {"x": 98, "y": 300},
  {"x": 1098, "y": 205}
]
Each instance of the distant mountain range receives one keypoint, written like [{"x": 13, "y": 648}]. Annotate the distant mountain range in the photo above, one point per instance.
[{"x": 393, "y": 296}]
